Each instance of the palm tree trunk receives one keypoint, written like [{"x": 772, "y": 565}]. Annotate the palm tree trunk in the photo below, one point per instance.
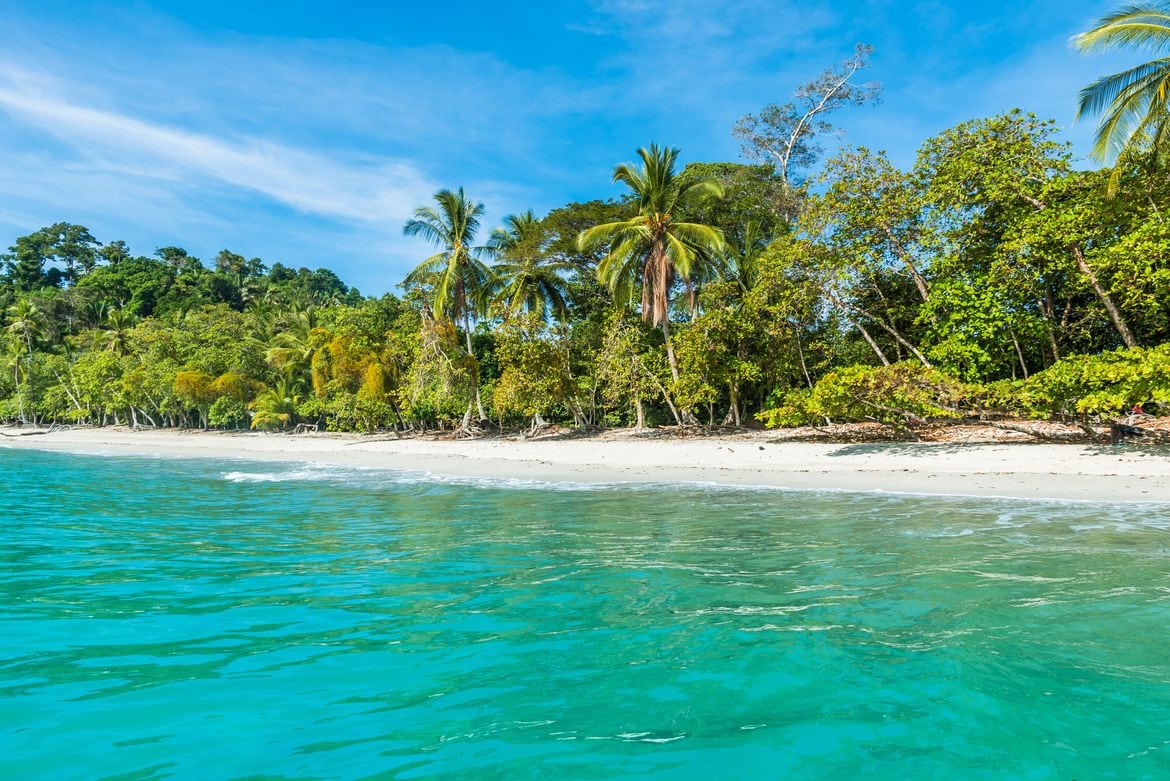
[
  {"x": 474, "y": 375},
  {"x": 19, "y": 394}
]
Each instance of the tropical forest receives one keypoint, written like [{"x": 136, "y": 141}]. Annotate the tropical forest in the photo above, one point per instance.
[{"x": 809, "y": 282}]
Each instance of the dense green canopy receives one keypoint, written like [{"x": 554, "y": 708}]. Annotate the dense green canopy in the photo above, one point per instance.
[{"x": 989, "y": 278}]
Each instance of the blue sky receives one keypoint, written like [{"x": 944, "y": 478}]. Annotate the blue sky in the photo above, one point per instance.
[{"x": 306, "y": 132}]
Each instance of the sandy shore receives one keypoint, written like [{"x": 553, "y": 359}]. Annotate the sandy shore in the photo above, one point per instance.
[{"x": 1032, "y": 471}]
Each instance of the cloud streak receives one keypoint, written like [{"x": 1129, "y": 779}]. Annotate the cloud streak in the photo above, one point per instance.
[{"x": 370, "y": 191}]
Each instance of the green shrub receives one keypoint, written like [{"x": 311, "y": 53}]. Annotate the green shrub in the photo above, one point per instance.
[
  {"x": 898, "y": 394},
  {"x": 227, "y": 412},
  {"x": 1110, "y": 383}
]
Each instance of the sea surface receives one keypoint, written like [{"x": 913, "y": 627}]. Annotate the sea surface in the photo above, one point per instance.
[{"x": 166, "y": 618}]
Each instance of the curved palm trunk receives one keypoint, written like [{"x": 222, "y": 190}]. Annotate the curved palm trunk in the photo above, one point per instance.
[
  {"x": 475, "y": 378},
  {"x": 19, "y": 393}
]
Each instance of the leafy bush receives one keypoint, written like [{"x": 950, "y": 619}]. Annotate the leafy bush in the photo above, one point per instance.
[
  {"x": 900, "y": 393},
  {"x": 792, "y": 409},
  {"x": 227, "y": 411},
  {"x": 1110, "y": 383}
]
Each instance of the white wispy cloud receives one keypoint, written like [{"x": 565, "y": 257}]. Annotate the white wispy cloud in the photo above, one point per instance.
[{"x": 369, "y": 191}]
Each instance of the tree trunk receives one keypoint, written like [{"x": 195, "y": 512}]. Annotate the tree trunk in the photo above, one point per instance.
[
  {"x": 800, "y": 352},
  {"x": 640, "y": 409},
  {"x": 19, "y": 392},
  {"x": 873, "y": 345},
  {"x": 474, "y": 376},
  {"x": 892, "y": 332},
  {"x": 904, "y": 256},
  {"x": 686, "y": 416},
  {"x": 669, "y": 349},
  {"x": 1106, "y": 299},
  {"x": 1019, "y": 354}
]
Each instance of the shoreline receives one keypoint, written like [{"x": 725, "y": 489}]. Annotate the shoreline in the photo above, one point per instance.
[{"x": 754, "y": 459}]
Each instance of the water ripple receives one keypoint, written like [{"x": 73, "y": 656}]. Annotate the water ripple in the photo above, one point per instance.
[{"x": 171, "y": 619}]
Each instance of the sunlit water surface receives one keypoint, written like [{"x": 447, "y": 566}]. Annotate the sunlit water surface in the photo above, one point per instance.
[{"x": 214, "y": 619}]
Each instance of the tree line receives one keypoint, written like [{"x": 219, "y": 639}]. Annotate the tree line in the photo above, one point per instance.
[{"x": 990, "y": 278}]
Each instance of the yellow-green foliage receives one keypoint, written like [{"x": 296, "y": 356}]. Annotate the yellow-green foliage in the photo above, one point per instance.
[
  {"x": 236, "y": 386},
  {"x": 901, "y": 393},
  {"x": 373, "y": 386},
  {"x": 195, "y": 387},
  {"x": 534, "y": 369},
  {"x": 1110, "y": 383}
]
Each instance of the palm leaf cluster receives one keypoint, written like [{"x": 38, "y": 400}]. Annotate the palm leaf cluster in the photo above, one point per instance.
[
  {"x": 526, "y": 279},
  {"x": 655, "y": 247},
  {"x": 456, "y": 274},
  {"x": 652, "y": 250},
  {"x": 1135, "y": 103}
]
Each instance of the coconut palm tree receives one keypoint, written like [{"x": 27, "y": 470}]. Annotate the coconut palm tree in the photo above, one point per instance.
[
  {"x": 458, "y": 280},
  {"x": 655, "y": 247},
  {"x": 26, "y": 327},
  {"x": 118, "y": 325},
  {"x": 26, "y": 323},
  {"x": 1134, "y": 104},
  {"x": 526, "y": 278},
  {"x": 276, "y": 407},
  {"x": 292, "y": 349}
]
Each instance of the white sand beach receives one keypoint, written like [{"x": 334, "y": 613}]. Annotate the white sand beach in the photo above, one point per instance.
[{"x": 1031, "y": 471}]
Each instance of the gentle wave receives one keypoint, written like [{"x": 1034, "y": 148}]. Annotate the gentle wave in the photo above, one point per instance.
[
  {"x": 374, "y": 475},
  {"x": 161, "y": 620}
]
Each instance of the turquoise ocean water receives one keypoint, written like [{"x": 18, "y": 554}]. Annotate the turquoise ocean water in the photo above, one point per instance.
[{"x": 212, "y": 619}]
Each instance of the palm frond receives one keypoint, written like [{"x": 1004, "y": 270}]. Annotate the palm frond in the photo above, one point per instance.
[
  {"x": 1140, "y": 25},
  {"x": 609, "y": 232}
]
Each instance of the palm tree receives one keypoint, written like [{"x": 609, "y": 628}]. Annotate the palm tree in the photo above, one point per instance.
[
  {"x": 25, "y": 323},
  {"x": 459, "y": 280},
  {"x": 25, "y": 328},
  {"x": 292, "y": 349},
  {"x": 1134, "y": 103},
  {"x": 526, "y": 278},
  {"x": 743, "y": 256},
  {"x": 118, "y": 324},
  {"x": 276, "y": 407},
  {"x": 654, "y": 246}
]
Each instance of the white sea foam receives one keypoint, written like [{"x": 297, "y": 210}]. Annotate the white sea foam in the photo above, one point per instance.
[
  {"x": 374, "y": 476},
  {"x": 364, "y": 474}
]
